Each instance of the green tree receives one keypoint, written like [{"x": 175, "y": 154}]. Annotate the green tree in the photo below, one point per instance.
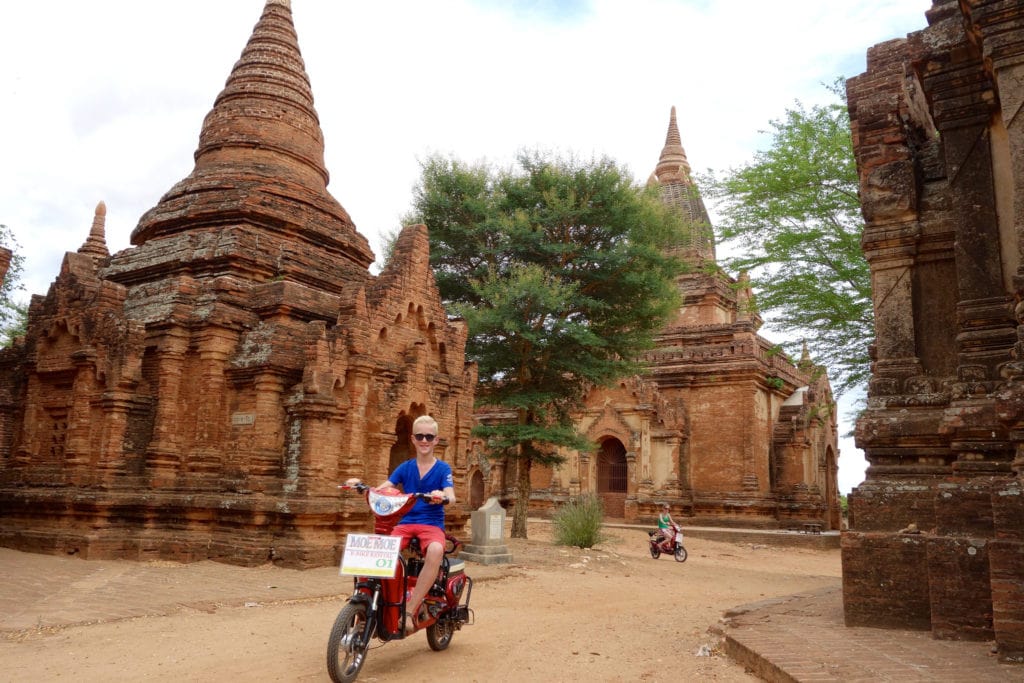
[
  {"x": 561, "y": 273},
  {"x": 13, "y": 315},
  {"x": 793, "y": 214},
  {"x": 16, "y": 324}
]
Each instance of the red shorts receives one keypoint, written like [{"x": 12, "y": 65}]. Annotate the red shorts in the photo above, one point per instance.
[{"x": 427, "y": 534}]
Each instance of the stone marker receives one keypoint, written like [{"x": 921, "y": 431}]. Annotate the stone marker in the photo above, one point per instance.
[{"x": 488, "y": 528}]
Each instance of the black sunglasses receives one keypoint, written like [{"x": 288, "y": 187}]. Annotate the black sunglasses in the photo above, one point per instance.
[{"x": 421, "y": 437}]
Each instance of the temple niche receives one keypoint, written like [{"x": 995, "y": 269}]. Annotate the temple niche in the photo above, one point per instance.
[
  {"x": 936, "y": 538},
  {"x": 201, "y": 394},
  {"x": 723, "y": 426}
]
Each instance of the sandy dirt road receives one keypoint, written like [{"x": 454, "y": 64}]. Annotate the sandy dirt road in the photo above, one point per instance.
[{"x": 610, "y": 613}]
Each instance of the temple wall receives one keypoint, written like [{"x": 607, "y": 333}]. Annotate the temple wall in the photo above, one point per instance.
[
  {"x": 728, "y": 437},
  {"x": 937, "y": 138},
  {"x": 201, "y": 394}
]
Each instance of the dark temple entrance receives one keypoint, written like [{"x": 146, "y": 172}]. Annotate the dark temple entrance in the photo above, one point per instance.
[{"x": 612, "y": 477}]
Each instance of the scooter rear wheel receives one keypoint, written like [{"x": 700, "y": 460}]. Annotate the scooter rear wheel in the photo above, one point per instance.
[
  {"x": 345, "y": 652},
  {"x": 655, "y": 551}
]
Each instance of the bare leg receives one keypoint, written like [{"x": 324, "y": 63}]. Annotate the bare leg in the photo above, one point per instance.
[{"x": 431, "y": 565}]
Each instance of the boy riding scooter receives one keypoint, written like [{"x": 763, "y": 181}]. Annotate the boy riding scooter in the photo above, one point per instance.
[{"x": 423, "y": 474}]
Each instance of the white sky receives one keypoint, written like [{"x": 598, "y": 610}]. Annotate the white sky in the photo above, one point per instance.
[{"x": 104, "y": 100}]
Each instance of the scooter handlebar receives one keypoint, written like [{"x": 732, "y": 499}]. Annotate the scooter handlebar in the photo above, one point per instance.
[
  {"x": 443, "y": 500},
  {"x": 361, "y": 487}
]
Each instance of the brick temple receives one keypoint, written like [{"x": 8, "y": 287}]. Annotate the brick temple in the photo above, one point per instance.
[
  {"x": 937, "y": 528},
  {"x": 723, "y": 427},
  {"x": 200, "y": 394}
]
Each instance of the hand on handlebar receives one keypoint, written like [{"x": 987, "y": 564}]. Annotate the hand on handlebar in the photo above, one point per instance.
[{"x": 436, "y": 498}]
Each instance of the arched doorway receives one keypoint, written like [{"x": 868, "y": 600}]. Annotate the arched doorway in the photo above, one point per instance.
[
  {"x": 401, "y": 451},
  {"x": 833, "y": 510},
  {"x": 612, "y": 477},
  {"x": 476, "y": 490}
]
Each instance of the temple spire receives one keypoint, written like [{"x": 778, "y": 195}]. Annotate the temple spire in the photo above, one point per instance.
[
  {"x": 672, "y": 174},
  {"x": 673, "y": 165},
  {"x": 267, "y": 102},
  {"x": 260, "y": 164},
  {"x": 96, "y": 244}
]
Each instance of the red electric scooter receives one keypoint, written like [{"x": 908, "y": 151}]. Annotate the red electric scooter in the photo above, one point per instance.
[
  {"x": 377, "y": 606},
  {"x": 671, "y": 545}
]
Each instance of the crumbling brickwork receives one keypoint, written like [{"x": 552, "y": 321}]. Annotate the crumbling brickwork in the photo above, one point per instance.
[
  {"x": 5, "y": 262},
  {"x": 201, "y": 394},
  {"x": 939, "y": 144}
]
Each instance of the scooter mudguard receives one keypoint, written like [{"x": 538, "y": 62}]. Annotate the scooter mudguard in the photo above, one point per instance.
[{"x": 360, "y": 597}]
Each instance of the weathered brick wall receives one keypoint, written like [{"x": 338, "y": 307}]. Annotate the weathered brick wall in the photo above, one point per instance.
[
  {"x": 893, "y": 505},
  {"x": 960, "y": 605},
  {"x": 890, "y": 590},
  {"x": 726, "y": 442},
  {"x": 938, "y": 144},
  {"x": 1006, "y": 569},
  {"x": 5, "y": 262}
]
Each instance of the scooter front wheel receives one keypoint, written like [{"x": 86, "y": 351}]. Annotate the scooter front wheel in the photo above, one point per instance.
[
  {"x": 346, "y": 651},
  {"x": 439, "y": 634},
  {"x": 680, "y": 553}
]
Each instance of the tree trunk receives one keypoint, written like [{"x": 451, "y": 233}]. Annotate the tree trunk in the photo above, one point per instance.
[{"x": 522, "y": 506}]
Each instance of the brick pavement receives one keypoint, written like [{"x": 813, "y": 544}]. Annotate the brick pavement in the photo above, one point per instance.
[
  {"x": 797, "y": 638},
  {"x": 803, "y": 638}
]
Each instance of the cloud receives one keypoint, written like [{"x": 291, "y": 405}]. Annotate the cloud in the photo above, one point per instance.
[{"x": 105, "y": 100}]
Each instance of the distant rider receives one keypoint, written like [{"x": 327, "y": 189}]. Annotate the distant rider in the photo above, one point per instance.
[{"x": 665, "y": 523}]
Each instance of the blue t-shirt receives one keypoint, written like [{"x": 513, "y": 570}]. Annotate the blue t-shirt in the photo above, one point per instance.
[{"x": 438, "y": 478}]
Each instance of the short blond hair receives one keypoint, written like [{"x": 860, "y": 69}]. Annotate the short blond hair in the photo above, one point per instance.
[{"x": 425, "y": 420}]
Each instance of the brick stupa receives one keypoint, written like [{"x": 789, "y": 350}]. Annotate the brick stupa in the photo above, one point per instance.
[{"x": 202, "y": 393}]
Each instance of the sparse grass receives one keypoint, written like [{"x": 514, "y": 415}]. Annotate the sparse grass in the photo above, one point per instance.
[{"x": 578, "y": 522}]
